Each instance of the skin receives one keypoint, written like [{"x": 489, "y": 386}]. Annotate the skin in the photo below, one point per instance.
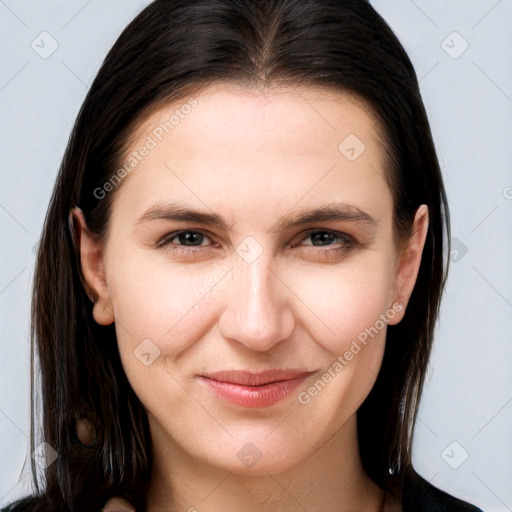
[{"x": 253, "y": 157}]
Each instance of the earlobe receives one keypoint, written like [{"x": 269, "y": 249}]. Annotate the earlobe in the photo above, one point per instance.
[
  {"x": 102, "y": 313},
  {"x": 409, "y": 262},
  {"x": 91, "y": 253}
]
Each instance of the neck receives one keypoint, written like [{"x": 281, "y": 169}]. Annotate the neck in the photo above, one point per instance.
[{"x": 332, "y": 478}]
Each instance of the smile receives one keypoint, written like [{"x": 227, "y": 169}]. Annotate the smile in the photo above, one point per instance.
[{"x": 254, "y": 390}]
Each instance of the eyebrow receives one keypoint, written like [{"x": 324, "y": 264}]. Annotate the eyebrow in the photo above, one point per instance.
[
  {"x": 182, "y": 213},
  {"x": 325, "y": 212}
]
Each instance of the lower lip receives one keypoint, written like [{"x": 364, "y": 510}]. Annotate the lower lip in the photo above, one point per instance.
[{"x": 254, "y": 396}]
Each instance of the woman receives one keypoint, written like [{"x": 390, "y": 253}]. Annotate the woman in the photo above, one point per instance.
[{"x": 241, "y": 268}]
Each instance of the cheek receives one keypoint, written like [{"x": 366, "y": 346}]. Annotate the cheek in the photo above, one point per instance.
[
  {"x": 346, "y": 301},
  {"x": 161, "y": 312},
  {"x": 353, "y": 304},
  {"x": 163, "y": 303}
]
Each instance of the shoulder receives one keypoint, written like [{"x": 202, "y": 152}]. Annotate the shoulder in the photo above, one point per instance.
[{"x": 419, "y": 495}]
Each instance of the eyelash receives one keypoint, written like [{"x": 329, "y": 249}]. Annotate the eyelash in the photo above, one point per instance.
[{"x": 195, "y": 250}]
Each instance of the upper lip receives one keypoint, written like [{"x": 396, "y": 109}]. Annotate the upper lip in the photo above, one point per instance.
[{"x": 251, "y": 378}]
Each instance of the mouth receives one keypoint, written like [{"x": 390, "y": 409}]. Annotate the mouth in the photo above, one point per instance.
[{"x": 254, "y": 389}]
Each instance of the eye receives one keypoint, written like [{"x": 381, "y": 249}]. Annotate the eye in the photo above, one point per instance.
[
  {"x": 185, "y": 239},
  {"x": 194, "y": 243},
  {"x": 322, "y": 238}
]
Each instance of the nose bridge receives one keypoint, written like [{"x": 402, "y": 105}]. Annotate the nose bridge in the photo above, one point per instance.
[{"x": 257, "y": 313}]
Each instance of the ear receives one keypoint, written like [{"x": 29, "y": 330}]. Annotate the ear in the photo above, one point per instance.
[
  {"x": 409, "y": 262},
  {"x": 92, "y": 264}
]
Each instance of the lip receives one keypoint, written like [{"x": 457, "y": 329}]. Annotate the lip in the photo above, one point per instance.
[{"x": 254, "y": 389}]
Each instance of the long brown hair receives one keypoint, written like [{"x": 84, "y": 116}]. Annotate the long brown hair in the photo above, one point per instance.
[{"x": 169, "y": 52}]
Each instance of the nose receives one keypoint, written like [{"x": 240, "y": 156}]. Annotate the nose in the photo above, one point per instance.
[{"x": 258, "y": 312}]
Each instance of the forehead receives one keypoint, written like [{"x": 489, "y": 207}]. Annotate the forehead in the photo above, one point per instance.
[
  {"x": 236, "y": 143},
  {"x": 266, "y": 118}
]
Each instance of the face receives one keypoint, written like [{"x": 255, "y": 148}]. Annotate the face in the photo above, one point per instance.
[{"x": 256, "y": 234}]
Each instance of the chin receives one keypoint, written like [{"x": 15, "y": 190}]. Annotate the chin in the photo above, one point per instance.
[{"x": 257, "y": 457}]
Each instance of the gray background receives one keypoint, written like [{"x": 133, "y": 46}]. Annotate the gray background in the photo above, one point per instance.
[{"x": 463, "y": 438}]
